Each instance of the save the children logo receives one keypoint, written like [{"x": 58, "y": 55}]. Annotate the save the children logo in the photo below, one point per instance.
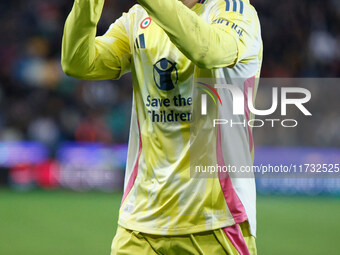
[{"x": 165, "y": 74}]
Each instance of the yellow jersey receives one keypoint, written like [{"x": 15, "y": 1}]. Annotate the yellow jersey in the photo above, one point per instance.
[{"x": 167, "y": 47}]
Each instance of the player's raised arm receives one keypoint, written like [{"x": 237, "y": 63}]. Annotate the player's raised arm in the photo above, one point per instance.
[
  {"x": 86, "y": 56},
  {"x": 208, "y": 46}
]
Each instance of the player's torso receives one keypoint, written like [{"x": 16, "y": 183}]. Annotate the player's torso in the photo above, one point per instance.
[
  {"x": 162, "y": 94},
  {"x": 164, "y": 199}
]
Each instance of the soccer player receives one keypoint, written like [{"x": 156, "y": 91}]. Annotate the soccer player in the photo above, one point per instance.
[{"x": 167, "y": 45}]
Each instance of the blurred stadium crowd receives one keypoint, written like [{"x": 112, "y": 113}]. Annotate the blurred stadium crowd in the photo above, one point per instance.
[{"x": 38, "y": 102}]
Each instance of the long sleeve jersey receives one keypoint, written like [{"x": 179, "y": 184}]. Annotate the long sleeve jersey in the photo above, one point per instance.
[{"x": 169, "y": 49}]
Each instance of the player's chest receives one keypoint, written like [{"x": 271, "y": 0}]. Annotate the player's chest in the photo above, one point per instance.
[{"x": 153, "y": 49}]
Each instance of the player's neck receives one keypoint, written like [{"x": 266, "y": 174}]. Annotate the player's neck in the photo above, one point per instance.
[{"x": 189, "y": 3}]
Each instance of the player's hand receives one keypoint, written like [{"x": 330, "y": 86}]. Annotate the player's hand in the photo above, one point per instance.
[{"x": 189, "y": 3}]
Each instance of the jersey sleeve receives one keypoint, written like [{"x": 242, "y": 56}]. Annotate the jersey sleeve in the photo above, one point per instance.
[
  {"x": 240, "y": 21},
  {"x": 88, "y": 57},
  {"x": 207, "y": 45}
]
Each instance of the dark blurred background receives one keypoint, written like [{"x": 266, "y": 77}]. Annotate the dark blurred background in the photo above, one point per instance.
[
  {"x": 59, "y": 132},
  {"x": 38, "y": 102}
]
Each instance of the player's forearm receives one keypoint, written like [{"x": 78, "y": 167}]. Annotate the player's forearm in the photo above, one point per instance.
[
  {"x": 206, "y": 45},
  {"x": 78, "y": 46}
]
